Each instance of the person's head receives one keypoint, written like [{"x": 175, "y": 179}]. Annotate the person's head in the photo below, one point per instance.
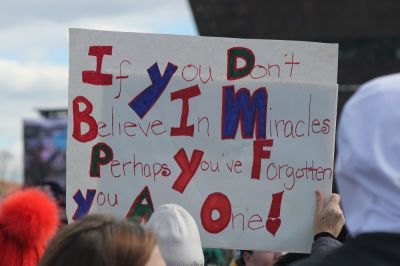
[
  {"x": 258, "y": 258},
  {"x": 290, "y": 258},
  {"x": 367, "y": 165},
  {"x": 102, "y": 240},
  {"x": 177, "y": 235},
  {"x": 28, "y": 219}
]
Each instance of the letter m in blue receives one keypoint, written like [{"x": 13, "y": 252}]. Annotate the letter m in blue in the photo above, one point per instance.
[{"x": 249, "y": 110}]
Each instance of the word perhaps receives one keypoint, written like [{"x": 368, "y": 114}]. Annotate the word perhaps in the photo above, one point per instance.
[
  {"x": 242, "y": 111},
  {"x": 136, "y": 167}
]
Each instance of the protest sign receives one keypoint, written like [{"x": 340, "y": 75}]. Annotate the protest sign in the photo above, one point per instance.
[{"x": 238, "y": 132}]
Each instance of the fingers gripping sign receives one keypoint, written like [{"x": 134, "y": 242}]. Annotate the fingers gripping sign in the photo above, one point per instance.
[{"x": 328, "y": 217}]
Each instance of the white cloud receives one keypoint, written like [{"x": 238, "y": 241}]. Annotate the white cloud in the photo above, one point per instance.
[
  {"x": 20, "y": 11},
  {"x": 161, "y": 18},
  {"x": 25, "y": 89},
  {"x": 45, "y": 37},
  {"x": 23, "y": 77},
  {"x": 34, "y": 51}
]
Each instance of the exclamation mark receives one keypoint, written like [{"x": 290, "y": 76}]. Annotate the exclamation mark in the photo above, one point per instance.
[{"x": 274, "y": 220}]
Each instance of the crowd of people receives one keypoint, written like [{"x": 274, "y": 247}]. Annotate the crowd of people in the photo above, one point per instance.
[{"x": 367, "y": 175}]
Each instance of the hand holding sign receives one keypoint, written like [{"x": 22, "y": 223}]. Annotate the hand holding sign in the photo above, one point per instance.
[
  {"x": 328, "y": 218},
  {"x": 238, "y": 132}
]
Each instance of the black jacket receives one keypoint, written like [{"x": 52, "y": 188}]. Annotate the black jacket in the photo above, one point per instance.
[{"x": 381, "y": 249}]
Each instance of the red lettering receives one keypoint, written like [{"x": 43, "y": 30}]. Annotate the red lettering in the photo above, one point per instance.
[
  {"x": 258, "y": 154},
  {"x": 157, "y": 123},
  {"x": 204, "y": 166},
  {"x": 230, "y": 166},
  {"x": 99, "y": 201},
  {"x": 274, "y": 221},
  {"x": 188, "y": 169},
  {"x": 185, "y": 95},
  {"x": 276, "y": 66},
  {"x": 146, "y": 170},
  {"x": 146, "y": 131},
  {"x": 297, "y": 125},
  {"x": 113, "y": 164},
  {"x": 96, "y": 77},
  {"x": 102, "y": 125},
  {"x": 115, "y": 200},
  {"x": 288, "y": 129},
  {"x": 316, "y": 126},
  {"x": 157, "y": 168},
  {"x": 251, "y": 221},
  {"x": 291, "y": 63},
  {"x": 209, "y": 76},
  {"x": 121, "y": 77},
  {"x": 326, "y": 128},
  {"x": 190, "y": 66},
  {"x": 220, "y": 203},
  {"x": 233, "y": 220},
  {"x": 195, "y": 72},
  {"x": 276, "y": 171},
  {"x": 258, "y": 67},
  {"x": 84, "y": 116},
  {"x": 199, "y": 120},
  {"x": 128, "y": 125},
  {"x": 238, "y": 167},
  {"x": 234, "y": 166}
]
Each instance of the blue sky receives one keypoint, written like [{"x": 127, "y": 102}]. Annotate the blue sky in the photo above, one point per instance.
[{"x": 34, "y": 52}]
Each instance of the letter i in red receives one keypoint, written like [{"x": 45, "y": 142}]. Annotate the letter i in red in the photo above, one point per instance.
[{"x": 274, "y": 220}]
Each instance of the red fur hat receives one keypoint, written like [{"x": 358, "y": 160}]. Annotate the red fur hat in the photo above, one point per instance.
[{"x": 28, "y": 219}]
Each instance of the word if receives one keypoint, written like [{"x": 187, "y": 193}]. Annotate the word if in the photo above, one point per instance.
[{"x": 238, "y": 107}]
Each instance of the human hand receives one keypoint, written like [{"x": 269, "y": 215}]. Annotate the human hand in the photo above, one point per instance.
[{"x": 328, "y": 218}]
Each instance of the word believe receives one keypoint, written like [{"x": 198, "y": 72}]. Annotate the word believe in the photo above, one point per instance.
[{"x": 240, "y": 108}]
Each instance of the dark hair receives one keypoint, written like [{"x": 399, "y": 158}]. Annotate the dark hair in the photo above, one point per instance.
[
  {"x": 240, "y": 261},
  {"x": 290, "y": 258},
  {"x": 102, "y": 241}
]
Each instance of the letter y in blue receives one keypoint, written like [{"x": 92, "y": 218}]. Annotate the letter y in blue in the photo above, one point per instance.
[
  {"x": 83, "y": 204},
  {"x": 145, "y": 100}
]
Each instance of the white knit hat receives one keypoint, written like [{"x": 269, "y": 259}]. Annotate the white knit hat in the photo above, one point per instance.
[
  {"x": 177, "y": 236},
  {"x": 368, "y": 159}
]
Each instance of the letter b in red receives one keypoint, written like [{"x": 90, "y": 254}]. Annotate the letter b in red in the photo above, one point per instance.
[{"x": 83, "y": 116}]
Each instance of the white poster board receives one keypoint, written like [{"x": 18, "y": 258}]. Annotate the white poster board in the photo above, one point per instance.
[{"x": 238, "y": 132}]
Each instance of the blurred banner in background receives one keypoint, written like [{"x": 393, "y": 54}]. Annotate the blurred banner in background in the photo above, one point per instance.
[{"x": 45, "y": 153}]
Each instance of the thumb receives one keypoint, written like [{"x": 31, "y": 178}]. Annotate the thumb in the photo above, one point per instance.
[
  {"x": 335, "y": 199},
  {"x": 319, "y": 201}
]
